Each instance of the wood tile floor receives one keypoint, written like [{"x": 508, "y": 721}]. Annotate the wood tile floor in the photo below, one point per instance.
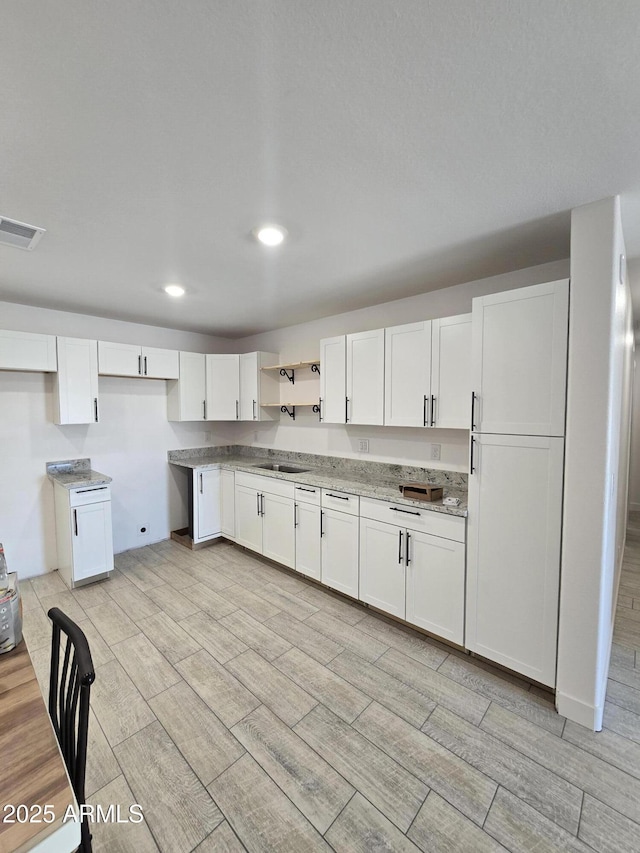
[{"x": 247, "y": 709}]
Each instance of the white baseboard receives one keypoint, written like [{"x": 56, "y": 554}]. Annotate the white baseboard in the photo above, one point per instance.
[{"x": 579, "y": 712}]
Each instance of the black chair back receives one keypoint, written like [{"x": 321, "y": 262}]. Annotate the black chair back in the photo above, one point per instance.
[{"x": 69, "y": 690}]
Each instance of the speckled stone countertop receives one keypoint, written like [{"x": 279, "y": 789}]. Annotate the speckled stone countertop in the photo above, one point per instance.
[
  {"x": 75, "y": 473},
  {"x": 368, "y": 479}
]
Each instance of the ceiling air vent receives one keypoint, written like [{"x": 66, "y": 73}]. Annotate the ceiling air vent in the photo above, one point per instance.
[{"x": 19, "y": 234}]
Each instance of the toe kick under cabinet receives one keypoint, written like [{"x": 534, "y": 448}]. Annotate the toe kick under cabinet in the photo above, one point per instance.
[
  {"x": 84, "y": 535},
  {"x": 412, "y": 565}
]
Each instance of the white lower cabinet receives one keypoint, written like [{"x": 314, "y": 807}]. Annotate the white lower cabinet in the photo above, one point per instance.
[
  {"x": 435, "y": 583},
  {"x": 228, "y": 503},
  {"x": 248, "y": 517},
  {"x": 264, "y": 517},
  {"x": 83, "y": 533},
  {"x": 307, "y": 524},
  {"x": 339, "y": 534},
  {"x": 278, "y": 531},
  {"x": 206, "y": 504},
  {"x": 515, "y": 528},
  {"x": 382, "y": 566},
  {"x": 414, "y": 570}
]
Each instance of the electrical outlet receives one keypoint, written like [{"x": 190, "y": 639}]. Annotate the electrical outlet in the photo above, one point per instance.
[
  {"x": 143, "y": 530},
  {"x": 435, "y": 451},
  {"x": 363, "y": 445}
]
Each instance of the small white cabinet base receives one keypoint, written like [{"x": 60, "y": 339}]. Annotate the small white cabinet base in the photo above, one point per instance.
[
  {"x": 340, "y": 562},
  {"x": 84, "y": 536},
  {"x": 205, "y": 515}
]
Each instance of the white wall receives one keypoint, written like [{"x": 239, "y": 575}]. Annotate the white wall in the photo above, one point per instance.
[
  {"x": 386, "y": 444},
  {"x": 596, "y": 466},
  {"x": 129, "y": 444},
  {"x": 634, "y": 476}
]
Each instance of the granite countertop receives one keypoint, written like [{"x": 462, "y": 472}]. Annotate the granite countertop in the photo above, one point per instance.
[
  {"x": 362, "y": 478},
  {"x": 75, "y": 474}
]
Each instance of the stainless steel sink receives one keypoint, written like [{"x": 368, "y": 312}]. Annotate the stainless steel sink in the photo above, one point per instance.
[{"x": 282, "y": 467}]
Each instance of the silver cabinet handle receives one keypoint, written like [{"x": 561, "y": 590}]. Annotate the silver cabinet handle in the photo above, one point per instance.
[
  {"x": 424, "y": 411},
  {"x": 75, "y": 522},
  {"x": 407, "y": 558},
  {"x": 139, "y": 365},
  {"x": 303, "y": 489},
  {"x": 320, "y": 409},
  {"x": 201, "y": 491},
  {"x": 204, "y": 410},
  {"x": 472, "y": 469},
  {"x": 473, "y": 408},
  {"x": 253, "y": 410},
  {"x": 408, "y": 511},
  {"x": 145, "y": 365},
  {"x": 258, "y": 502},
  {"x": 346, "y": 410},
  {"x": 262, "y": 504},
  {"x": 295, "y": 515},
  {"x": 321, "y": 525},
  {"x": 95, "y": 409},
  {"x": 237, "y": 409},
  {"x": 400, "y": 546},
  {"x": 433, "y": 410},
  {"x": 340, "y": 497}
]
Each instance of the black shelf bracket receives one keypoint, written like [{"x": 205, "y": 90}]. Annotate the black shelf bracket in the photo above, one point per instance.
[
  {"x": 315, "y": 368},
  {"x": 291, "y": 412},
  {"x": 283, "y": 372}
]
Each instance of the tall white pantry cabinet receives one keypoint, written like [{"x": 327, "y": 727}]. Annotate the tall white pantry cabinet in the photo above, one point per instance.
[{"x": 519, "y": 345}]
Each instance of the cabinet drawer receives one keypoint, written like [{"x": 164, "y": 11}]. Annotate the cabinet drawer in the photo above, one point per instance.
[
  {"x": 89, "y": 495},
  {"x": 414, "y": 518},
  {"x": 270, "y": 485},
  {"x": 342, "y": 501},
  {"x": 307, "y": 494}
]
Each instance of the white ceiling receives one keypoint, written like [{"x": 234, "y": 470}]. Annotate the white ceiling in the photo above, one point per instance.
[{"x": 405, "y": 144}]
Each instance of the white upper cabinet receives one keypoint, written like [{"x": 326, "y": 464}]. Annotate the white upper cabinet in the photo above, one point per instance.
[
  {"x": 27, "y": 351},
  {"x": 254, "y": 385},
  {"x": 76, "y": 384},
  {"x": 160, "y": 363},
  {"x": 365, "y": 377},
  {"x": 333, "y": 379},
  {"x": 450, "y": 372},
  {"x": 407, "y": 388},
  {"x": 223, "y": 387},
  {"x": 519, "y": 348},
  {"x": 132, "y": 360},
  {"x": 186, "y": 399}
]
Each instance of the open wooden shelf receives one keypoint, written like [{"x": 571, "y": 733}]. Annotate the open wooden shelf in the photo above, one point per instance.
[{"x": 293, "y": 366}]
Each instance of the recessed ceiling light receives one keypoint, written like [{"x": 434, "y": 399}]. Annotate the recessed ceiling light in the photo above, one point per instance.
[
  {"x": 270, "y": 235},
  {"x": 174, "y": 289}
]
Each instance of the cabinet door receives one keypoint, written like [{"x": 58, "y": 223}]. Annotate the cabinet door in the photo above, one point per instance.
[
  {"x": 451, "y": 372},
  {"x": 333, "y": 379},
  {"x": 190, "y": 388},
  {"x": 119, "y": 359},
  {"x": 160, "y": 363},
  {"x": 207, "y": 503},
  {"x": 77, "y": 381},
  {"x": 340, "y": 551},
  {"x": 435, "y": 585},
  {"x": 407, "y": 387},
  {"x": 228, "y": 503},
  {"x": 365, "y": 377},
  {"x": 248, "y": 518},
  {"x": 513, "y": 569},
  {"x": 278, "y": 531},
  {"x": 223, "y": 387},
  {"x": 91, "y": 540},
  {"x": 249, "y": 386},
  {"x": 382, "y": 573},
  {"x": 519, "y": 348},
  {"x": 308, "y": 557},
  {"x": 28, "y": 351}
]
